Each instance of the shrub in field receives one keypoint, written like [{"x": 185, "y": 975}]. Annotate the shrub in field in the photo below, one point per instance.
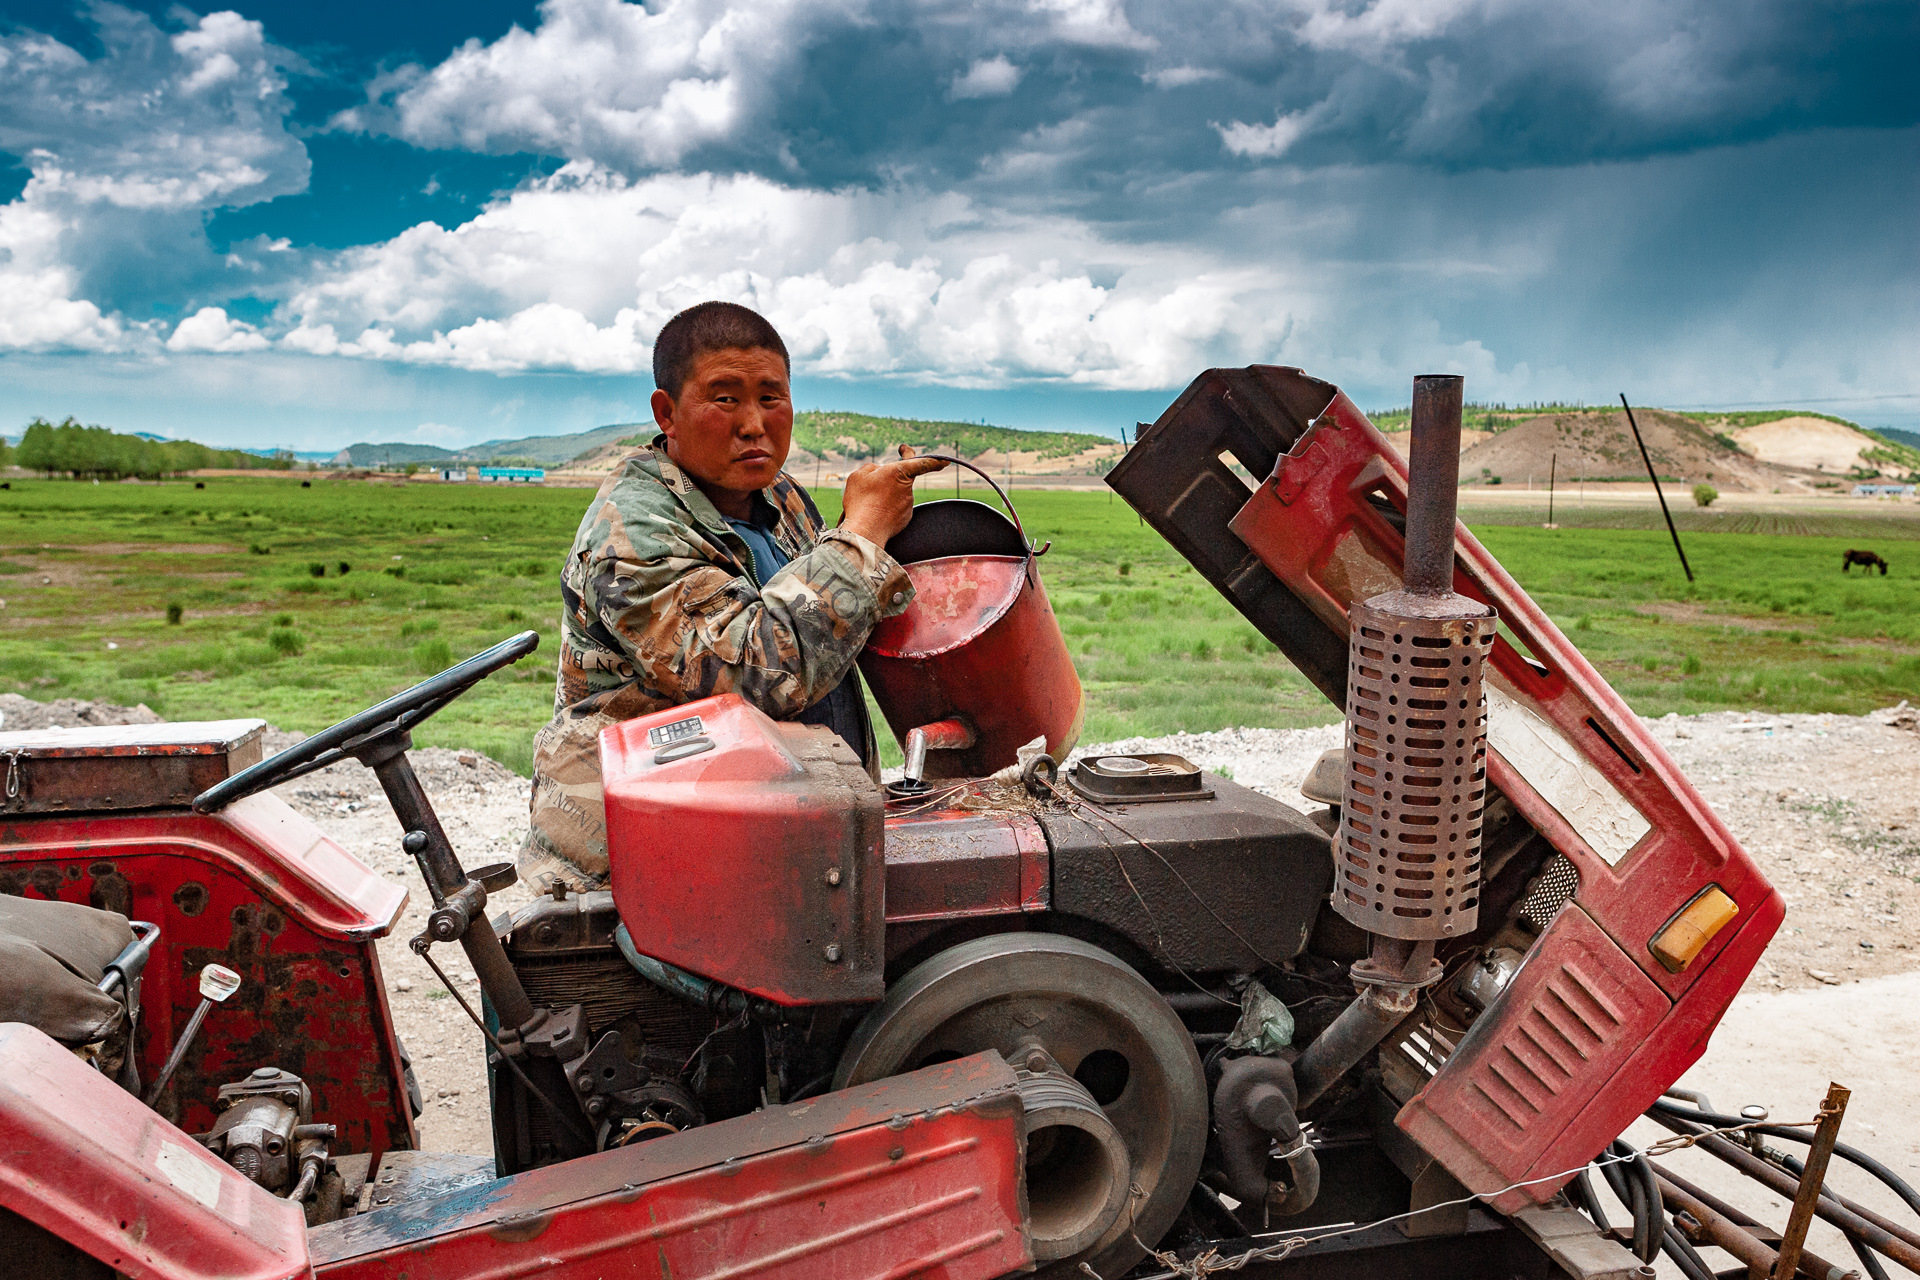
[
  {"x": 395, "y": 570},
  {"x": 433, "y": 655},
  {"x": 317, "y": 569},
  {"x": 1704, "y": 494},
  {"x": 174, "y": 613},
  {"x": 345, "y": 568},
  {"x": 282, "y": 619},
  {"x": 259, "y": 550},
  {"x": 1125, "y": 568},
  {"x": 1690, "y": 665},
  {"x": 286, "y": 641}
]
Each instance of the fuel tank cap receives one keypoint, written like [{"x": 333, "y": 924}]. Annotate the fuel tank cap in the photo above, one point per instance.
[{"x": 1138, "y": 779}]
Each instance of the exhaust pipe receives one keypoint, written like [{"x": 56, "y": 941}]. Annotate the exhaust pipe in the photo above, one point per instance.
[{"x": 1407, "y": 854}]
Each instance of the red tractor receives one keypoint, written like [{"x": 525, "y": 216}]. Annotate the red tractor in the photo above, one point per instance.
[{"x": 999, "y": 1015}]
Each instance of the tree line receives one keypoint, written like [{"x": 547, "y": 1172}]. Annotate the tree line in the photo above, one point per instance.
[{"x": 99, "y": 453}]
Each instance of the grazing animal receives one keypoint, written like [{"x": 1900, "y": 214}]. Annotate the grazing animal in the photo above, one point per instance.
[{"x": 1865, "y": 559}]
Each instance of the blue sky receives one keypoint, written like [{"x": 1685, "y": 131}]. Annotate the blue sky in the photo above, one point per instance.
[{"x": 308, "y": 224}]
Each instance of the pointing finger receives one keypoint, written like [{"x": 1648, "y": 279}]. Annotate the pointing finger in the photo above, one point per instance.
[{"x": 920, "y": 465}]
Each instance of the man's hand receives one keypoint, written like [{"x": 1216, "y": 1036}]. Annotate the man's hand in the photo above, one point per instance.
[{"x": 878, "y": 499}]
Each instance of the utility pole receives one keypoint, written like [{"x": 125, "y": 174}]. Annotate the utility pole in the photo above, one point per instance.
[
  {"x": 1553, "y": 466},
  {"x": 1653, "y": 476}
]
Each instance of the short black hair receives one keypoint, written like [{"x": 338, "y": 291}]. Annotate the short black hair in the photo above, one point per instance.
[{"x": 710, "y": 326}]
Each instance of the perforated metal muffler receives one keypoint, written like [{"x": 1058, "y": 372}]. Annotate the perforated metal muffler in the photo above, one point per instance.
[
  {"x": 1416, "y": 770},
  {"x": 1415, "y": 786}
]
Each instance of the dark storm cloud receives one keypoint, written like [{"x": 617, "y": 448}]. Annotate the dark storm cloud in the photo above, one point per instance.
[
  {"x": 1060, "y": 200},
  {"x": 831, "y": 92}
]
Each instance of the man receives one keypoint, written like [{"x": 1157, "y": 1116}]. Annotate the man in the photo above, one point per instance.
[{"x": 701, "y": 568}]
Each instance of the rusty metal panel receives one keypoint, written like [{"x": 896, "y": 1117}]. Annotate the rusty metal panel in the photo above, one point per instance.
[
  {"x": 747, "y": 850},
  {"x": 80, "y": 1157},
  {"x": 919, "y": 1174},
  {"x": 979, "y": 640},
  {"x": 948, "y": 863},
  {"x": 1525, "y": 1072},
  {"x": 260, "y": 890},
  {"x": 132, "y": 766}
]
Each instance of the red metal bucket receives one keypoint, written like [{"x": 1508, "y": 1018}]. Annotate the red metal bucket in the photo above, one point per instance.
[{"x": 980, "y": 641}]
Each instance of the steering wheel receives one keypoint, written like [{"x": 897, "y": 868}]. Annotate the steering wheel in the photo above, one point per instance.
[{"x": 376, "y": 725}]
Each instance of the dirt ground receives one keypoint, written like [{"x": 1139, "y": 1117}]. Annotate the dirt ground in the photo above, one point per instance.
[{"x": 1827, "y": 805}]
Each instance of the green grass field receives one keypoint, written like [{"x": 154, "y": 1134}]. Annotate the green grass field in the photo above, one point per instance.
[{"x": 270, "y": 626}]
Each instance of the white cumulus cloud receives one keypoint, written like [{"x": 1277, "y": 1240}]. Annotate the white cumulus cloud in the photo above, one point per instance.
[
  {"x": 125, "y": 151},
  {"x": 630, "y": 85},
  {"x": 993, "y": 77},
  {"x": 579, "y": 271},
  {"x": 38, "y": 310},
  {"x": 1265, "y": 141},
  {"x": 210, "y": 329}
]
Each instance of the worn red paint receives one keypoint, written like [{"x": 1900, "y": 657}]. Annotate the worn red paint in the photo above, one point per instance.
[
  {"x": 747, "y": 850},
  {"x": 979, "y": 640},
  {"x": 917, "y": 1175},
  {"x": 264, "y": 892},
  {"x": 81, "y": 1157},
  {"x": 1311, "y": 523},
  {"x": 950, "y": 863}
]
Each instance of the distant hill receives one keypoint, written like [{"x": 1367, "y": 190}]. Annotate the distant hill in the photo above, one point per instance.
[
  {"x": 860, "y": 435},
  {"x": 553, "y": 450},
  {"x": 390, "y": 455},
  {"x": 1595, "y": 444},
  {"x": 848, "y": 435},
  {"x": 1911, "y": 439},
  {"x": 545, "y": 451}
]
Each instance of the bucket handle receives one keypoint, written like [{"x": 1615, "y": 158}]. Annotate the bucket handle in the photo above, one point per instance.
[{"x": 1005, "y": 501}]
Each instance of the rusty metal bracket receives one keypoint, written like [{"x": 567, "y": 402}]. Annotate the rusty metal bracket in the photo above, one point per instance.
[{"x": 1812, "y": 1177}]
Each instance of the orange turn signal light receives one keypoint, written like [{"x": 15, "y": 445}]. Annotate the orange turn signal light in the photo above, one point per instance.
[{"x": 1692, "y": 928}]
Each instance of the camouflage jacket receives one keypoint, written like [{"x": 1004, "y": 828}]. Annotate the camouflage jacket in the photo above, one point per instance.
[{"x": 661, "y": 608}]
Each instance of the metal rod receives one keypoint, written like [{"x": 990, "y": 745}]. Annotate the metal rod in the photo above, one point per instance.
[
  {"x": 440, "y": 868},
  {"x": 1812, "y": 1178},
  {"x": 1433, "y": 484},
  {"x": 1553, "y": 467},
  {"x": 179, "y": 1051},
  {"x": 1732, "y": 1230},
  {"x": 1890, "y": 1238},
  {"x": 1651, "y": 475}
]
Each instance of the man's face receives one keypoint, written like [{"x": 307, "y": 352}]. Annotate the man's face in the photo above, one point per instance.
[{"x": 732, "y": 423}]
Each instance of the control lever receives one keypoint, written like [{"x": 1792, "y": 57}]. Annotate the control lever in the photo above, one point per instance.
[{"x": 217, "y": 982}]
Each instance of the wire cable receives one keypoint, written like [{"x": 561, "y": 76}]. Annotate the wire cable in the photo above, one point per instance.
[
  {"x": 1210, "y": 1262},
  {"x": 1898, "y": 1185}
]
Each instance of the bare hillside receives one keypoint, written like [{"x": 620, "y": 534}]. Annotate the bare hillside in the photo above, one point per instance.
[
  {"x": 1598, "y": 445},
  {"x": 1815, "y": 444}
]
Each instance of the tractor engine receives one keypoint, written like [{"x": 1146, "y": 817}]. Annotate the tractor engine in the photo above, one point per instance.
[{"x": 677, "y": 1065}]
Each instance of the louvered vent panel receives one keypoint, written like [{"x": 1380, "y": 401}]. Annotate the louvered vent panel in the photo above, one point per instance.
[{"x": 1574, "y": 1013}]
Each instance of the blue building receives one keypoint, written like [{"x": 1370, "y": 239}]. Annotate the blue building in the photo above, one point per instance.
[{"x": 532, "y": 475}]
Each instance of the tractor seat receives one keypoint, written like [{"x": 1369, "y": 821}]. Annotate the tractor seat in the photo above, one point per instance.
[{"x": 53, "y": 955}]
